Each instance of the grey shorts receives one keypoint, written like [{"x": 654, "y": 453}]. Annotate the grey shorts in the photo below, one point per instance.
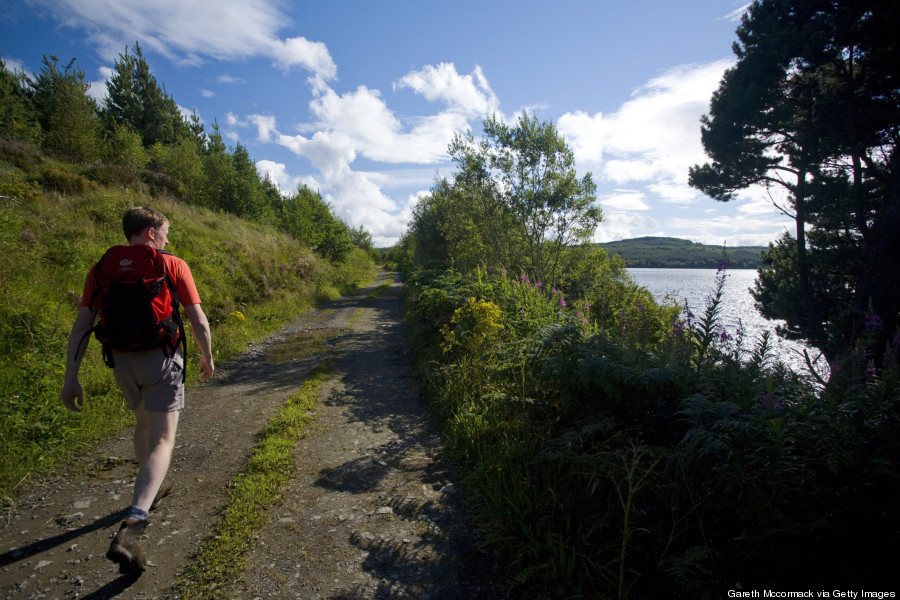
[{"x": 151, "y": 378}]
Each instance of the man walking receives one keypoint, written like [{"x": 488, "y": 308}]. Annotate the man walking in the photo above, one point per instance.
[{"x": 151, "y": 379}]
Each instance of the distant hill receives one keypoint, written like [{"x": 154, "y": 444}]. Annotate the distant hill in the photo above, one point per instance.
[{"x": 675, "y": 253}]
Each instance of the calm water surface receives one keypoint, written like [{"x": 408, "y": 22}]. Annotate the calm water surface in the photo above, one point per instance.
[{"x": 693, "y": 286}]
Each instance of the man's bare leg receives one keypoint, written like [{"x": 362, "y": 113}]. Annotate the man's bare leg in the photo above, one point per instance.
[{"x": 154, "y": 440}]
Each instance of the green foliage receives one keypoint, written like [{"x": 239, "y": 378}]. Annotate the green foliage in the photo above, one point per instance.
[
  {"x": 621, "y": 451},
  {"x": 306, "y": 216},
  {"x": 18, "y": 118},
  {"x": 67, "y": 115},
  {"x": 515, "y": 203},
  {"x": 135, "y": 100},
  {"x": 123, "y": 147},
  {"x": 674, "y": 253},
  {"x": 181, "y": 162},
  {"x": 243, "y": 194},
  {"x": 64, "y": 181}
]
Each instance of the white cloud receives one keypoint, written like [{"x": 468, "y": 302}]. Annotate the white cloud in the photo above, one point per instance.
[
  {"x": 14, "y": 65},
  {"x": 740, "y": 230},
  {"x": 360, "y": 124},
  {"x": 653, "y": 137},
  {"x": 624, "y": 200},
  {"x": 98, "y": 90},
  {"x": 265, "y": 126},
  {"x": 735, "y": 15},
  {"x": 207, "y": 93},
  {"x": 468, "y": 94},
  {"x": 622, "y": 226},
  {"x": 676, "y": 192},
  {"x": 226, "y": 78},
  {"x": 299, "y": 51},
  {"x": 184, "y": 32},
  {"x": 331, "y": 153},
  {"x": 285, "y": 182},
  {"x": 364, "y": 117}
]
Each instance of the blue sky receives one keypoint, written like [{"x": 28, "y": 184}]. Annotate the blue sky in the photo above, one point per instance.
[{"x": 359, "y": 99}]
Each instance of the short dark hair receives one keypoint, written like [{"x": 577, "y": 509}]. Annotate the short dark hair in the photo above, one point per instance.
[{"x": 135, "y": 220}]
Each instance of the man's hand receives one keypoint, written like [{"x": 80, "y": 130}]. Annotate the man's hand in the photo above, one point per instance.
[
  {"x": 73, "y": 395},
  {"x": 207, "y": 368}
]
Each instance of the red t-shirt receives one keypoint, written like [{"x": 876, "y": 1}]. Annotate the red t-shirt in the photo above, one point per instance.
[{"x": 179, "y": 273}]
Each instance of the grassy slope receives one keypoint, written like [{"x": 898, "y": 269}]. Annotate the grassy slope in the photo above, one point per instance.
[{"x": 251, "y": 277}]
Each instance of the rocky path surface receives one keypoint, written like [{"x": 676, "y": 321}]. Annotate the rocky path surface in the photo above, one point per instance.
[{"x": 372, "y": 511}]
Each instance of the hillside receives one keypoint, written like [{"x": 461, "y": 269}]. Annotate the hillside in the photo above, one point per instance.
[{"x": 675, "y": 253}]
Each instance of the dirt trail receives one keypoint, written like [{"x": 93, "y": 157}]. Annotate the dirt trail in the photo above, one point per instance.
[{"x": 371, "y": 513}]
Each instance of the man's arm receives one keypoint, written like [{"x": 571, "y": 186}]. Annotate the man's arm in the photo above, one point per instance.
[
  {"x": 200, "y": 327},
  {"x": 72, "y": 394}
]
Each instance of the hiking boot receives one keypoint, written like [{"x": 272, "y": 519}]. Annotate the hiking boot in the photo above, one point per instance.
[
  {"x": 126, "y": 550},
  {"x": 164, "y": 490}
]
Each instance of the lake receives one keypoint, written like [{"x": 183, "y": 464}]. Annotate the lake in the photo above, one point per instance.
[{"x": 692, "y": 286}]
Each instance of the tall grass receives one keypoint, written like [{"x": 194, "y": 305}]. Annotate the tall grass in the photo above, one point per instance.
[
  {"x": 612, "y": 448},
  {"x": 252, "y": 279}
]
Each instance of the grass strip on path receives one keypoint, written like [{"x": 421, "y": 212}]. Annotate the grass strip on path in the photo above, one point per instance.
[
  {"x": 223, "y": 556},
  {"x": 368, "y": 299}
]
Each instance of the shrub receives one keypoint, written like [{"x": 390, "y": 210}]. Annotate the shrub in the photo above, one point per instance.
[
  {"x": 64, "y": 181},
  {"x": 617, "y": 451}
]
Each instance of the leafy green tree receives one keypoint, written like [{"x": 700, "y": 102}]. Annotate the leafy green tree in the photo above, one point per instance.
[
  {"x": 812, "y": 108},
  {"x": 448, "y": 228},
  {"x": 66, "y": 113},
  {"x": 307, "y": 217},
  {"x": 218, "y": 170},
  {"x": 135, "y": 98},
  {"x": 245, "y": 195},
  {"x": 361, "y": 238},
  {"x": 532, "y": 204},
  {"x": 124, "y": 147},
  {"x": 182, "y": 162},
  {"x": 18, "y": 119}
]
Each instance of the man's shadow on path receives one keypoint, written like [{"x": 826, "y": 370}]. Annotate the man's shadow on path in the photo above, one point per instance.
[{"x": 110, "y": 590}]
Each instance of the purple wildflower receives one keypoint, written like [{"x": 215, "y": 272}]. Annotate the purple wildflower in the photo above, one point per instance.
[
  {"x": 873, "y": 323},
  {"x": 723, "y": 265},
  {"x": 871, "y": 371},
  {"x": 771, "y": 402}
]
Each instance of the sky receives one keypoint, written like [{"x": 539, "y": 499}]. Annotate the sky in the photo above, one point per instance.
[{"x": 360, "y": 99}]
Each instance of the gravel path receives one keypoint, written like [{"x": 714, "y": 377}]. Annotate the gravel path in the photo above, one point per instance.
[{"x": 372, "y": 512}]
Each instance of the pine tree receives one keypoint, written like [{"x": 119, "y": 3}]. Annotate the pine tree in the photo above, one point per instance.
[
  {"x": 134, "y": 98},
  {"x": 18, "y": 118},
  {"x": 66, "y": 113}
]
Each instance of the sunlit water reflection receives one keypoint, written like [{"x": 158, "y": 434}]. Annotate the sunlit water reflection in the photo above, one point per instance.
[{"x": 693, "y": 286}]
